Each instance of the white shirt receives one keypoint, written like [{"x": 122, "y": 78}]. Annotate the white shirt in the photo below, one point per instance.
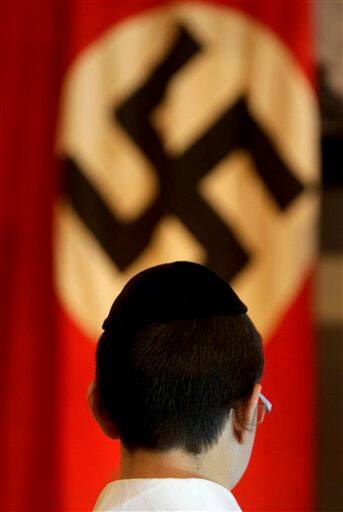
[{"x": 165, "y": 494}]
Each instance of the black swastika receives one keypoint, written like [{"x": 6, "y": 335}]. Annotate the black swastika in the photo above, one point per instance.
[{"x": 179, "y": 176}]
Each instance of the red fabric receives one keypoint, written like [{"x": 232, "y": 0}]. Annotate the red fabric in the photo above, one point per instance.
[
  {"x": 291, "y": 20},
  {"x": 52, "y": 453},
  {"x": 281, "y": 475},
  {"x": 88, "y": 459},
  {"x": 29, "y": 92}
]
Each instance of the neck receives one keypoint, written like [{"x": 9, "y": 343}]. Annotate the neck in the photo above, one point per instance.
[
  {"x": 169, "y": 464},
  {"x": 150, "y": 464}
]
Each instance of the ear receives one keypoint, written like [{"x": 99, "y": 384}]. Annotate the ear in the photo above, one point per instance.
[
  {"x": 93, "y": 401},
  {"x": 246, "y": 414}
]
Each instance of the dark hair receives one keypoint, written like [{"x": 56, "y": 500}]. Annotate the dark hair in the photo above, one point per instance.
[{"x": 172, "y": 384}]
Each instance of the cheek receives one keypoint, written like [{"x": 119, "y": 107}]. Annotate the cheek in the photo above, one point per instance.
[
  {"x": 251, "y": 443},
  {"x": 243, "y": 458},
  {"x": 247, "y": 448}
]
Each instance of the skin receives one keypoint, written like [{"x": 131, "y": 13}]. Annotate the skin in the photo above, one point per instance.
[{"x": 224, "y": 463}]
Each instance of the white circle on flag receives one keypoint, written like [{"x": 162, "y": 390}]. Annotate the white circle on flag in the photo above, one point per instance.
[{"x": 237, "y": 58}]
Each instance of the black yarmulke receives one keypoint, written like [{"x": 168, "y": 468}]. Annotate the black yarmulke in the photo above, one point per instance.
[{"x": 173, "y": 291}]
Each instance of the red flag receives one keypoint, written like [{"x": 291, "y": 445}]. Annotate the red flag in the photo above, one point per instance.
[{"x": 229, "y": 85}]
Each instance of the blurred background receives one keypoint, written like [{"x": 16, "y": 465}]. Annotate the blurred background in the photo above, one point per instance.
[{"x": 140, "y": 132}]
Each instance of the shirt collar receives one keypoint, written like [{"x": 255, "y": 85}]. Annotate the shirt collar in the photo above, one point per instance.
[{"x": 170, "y": 494}]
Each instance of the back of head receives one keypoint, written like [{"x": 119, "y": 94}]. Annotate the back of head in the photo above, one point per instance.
[{"x": 178, "y": 351}]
